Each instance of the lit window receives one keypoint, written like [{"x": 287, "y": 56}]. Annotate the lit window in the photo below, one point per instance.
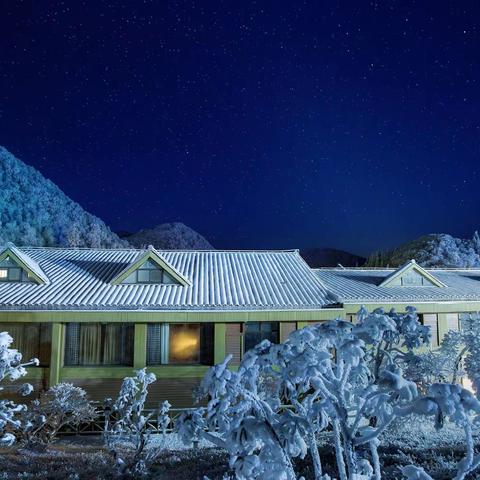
[
  {"x": 11, "y": 272},
  {"x": 180, "y": 343}
]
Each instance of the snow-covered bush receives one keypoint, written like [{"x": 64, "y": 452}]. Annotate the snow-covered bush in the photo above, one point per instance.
[
  {"x": 127, "y": 429},
  {"x": 457, "y": 357},
  {"x": 459, "y": 406},
  {"x": 392, "y": 337},
  {"x": 260, "y": 438},
  {"x": 11, "y": 368},
  {"x": 61, "y": 405},
  {"x": 332, "y": 374}
]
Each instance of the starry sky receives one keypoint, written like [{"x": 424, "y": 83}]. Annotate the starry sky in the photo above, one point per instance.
[{"x": 265, "y": 124}]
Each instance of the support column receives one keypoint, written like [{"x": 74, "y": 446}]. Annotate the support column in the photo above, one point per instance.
[
  {"x": 140, "y": 346},
  {"x": 219, "y": 343},
  {"x": 56, "y": 356}
]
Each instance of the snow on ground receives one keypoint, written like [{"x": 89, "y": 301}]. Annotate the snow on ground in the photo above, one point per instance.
[{"x": 172, "y": 441}]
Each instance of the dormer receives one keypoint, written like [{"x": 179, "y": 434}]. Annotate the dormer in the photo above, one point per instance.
[
  {"x": 18, "y": 267},
  {"x": 150, "y": 268},
  {"x": 411, "y": 274}
]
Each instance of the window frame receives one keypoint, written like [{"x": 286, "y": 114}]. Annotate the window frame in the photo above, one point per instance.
[
  {"x": 206, "y": 344},
  {"x": 126, "y": 350},
  {"x": 275, "y": 331},
  {"x": 23, "y": 276},
  {"x": 150, "y": 268}
]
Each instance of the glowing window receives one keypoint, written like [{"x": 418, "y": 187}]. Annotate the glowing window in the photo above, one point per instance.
[{"x": 184, "y": 343}]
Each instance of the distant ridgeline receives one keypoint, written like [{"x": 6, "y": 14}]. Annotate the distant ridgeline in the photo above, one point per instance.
[
  {"x": 435, "y": 250},
  {"x": 168, "y": 236},
  {"x": 35, "y": 212}
]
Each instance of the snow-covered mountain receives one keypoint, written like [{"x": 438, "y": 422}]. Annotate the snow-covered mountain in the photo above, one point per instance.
[
  {"x": 330, "y": 257},
  {"x": 175, "y": 236},
  {"x": 435, "y": 250},
  {"x": 35, "y": 212}
]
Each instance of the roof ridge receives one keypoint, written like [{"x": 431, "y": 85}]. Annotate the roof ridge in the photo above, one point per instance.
[{"x": 133, "y": 249}]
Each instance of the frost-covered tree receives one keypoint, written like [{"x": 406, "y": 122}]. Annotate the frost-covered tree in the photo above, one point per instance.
[
  {"x": 11, "y": 368},
  {"x": 260, "y": 438},
  {"x": 332, "y": 374},
  {"x": 34, "y": 211},
  {"x": 435, "y": 250},
  {"x": 392, "y": 337},
  {"x": 61, "y": 405},
  {"x": 127, "y": 428},
  {"x": 457, "y": 357},
  {"x": 447, "y": 401}
]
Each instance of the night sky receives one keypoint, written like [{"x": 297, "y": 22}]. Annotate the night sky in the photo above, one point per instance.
[{"x": 353, "y": 125}]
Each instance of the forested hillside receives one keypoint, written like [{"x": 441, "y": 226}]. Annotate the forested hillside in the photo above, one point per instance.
[
  {"x": 435, "y": 250},
  {"x": 34, "y": 211}
]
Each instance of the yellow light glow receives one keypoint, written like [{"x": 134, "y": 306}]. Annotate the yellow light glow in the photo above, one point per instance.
[{"x": 184, "y": 345}]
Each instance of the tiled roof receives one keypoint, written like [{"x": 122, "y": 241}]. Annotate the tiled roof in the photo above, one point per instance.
[
  {"x": 80, "y": 279},
  {"x": 353, "y": 285}
]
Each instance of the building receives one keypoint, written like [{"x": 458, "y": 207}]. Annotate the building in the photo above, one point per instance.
[
  {"x": 439, "y": 295},
  {"x": 93, "y": 315}
]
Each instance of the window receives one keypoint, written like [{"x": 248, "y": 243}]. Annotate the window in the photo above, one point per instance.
[
  {"x": 180, "y": 344},
  {"x": 99, "y": 344},
  {"x": 32, "y": 340},
  {"x": 431, "y": 320},
  {"x": 11, "y": 272},
  {"x": 414, "y": 279},
  {"x": 255, "y": 332},
  {"x": 148, "y": 273}
]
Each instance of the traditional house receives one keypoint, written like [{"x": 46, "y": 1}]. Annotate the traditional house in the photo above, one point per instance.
[
  {"x": 93, "y": 315},
  {"x": 440, "y": 296}
]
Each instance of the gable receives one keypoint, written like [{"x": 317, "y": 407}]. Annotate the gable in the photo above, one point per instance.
[
  {"x": 150, "y": 268},
  {"x": 150, "y": 272},
  {"x": 17, "y": 267},
  {"x": 411, "y": 275},
  {"x": 11, "y": 271},
  {"x": 411, "y": 278}
]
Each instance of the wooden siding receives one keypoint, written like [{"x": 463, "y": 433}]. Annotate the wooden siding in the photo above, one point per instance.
[
  {"x": 233, "y": 342},
  {"x": 286, "y": 328},
  {"x": 178, "y": 391},
  {"x": 10, "y": 390},
  {"x": 452, "y": 321}
]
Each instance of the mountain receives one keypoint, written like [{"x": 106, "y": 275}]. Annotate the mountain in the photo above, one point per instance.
[
  {"x": 330, "y": 257},
  {"x": 35, "y": 212},
  {"x": 174, "y": 236},
  {"x": 434, "y": 250}
]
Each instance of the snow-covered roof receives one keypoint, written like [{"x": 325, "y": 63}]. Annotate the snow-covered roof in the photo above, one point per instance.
[
  {"x": 81, "y": 279},
  {"x": 364, "y": 285}
]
